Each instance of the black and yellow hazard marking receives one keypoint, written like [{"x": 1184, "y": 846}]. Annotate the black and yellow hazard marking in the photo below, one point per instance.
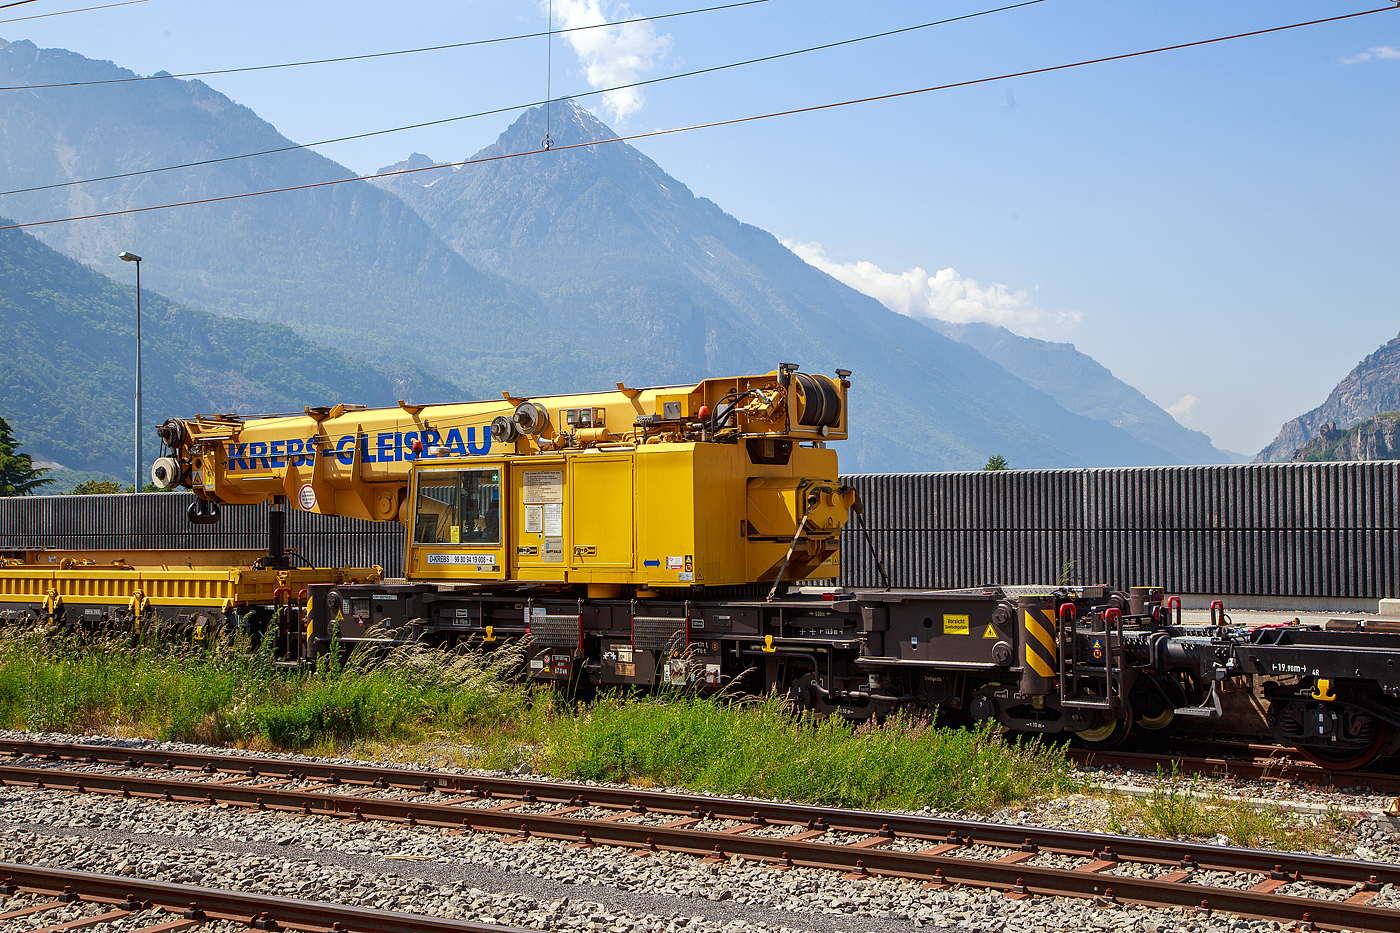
[{"x": 1042, "y": 653}]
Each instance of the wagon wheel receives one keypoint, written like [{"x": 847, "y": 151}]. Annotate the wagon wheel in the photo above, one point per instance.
[
  {"x": 1109, "y": 734},
  {"x": 1349, "y": 759},
  {"x": 1158, "y": 720}
]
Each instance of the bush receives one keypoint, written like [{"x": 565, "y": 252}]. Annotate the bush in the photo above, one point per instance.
[{"x": 98, "y": 487}]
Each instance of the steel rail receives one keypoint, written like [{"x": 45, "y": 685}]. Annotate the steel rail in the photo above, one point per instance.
[
  {"x": 1253, "y": 769},
  {"x": 200, "y": 903},
  {"x": 1323, "y": 869},
  {"x": 937, "y": 864}
]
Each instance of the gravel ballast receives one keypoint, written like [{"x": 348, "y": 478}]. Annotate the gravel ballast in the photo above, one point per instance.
[{"x": 544, "y": 884}]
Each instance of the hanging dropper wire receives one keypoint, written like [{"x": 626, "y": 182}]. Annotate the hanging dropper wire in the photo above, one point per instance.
[{"x": 549, "y": 75}]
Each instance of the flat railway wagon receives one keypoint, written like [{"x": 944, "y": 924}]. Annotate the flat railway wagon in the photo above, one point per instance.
[
  {"x": 194, "y": 591},
  {"x": 690, "y": 535}
]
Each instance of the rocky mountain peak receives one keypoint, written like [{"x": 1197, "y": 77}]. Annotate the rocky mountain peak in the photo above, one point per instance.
[
  {"x": 569, "y": 124},
  {"x": 1372, "y": 388},
  {"x": 420, "y": 168},
  {"x": 1375, "y": 438}
]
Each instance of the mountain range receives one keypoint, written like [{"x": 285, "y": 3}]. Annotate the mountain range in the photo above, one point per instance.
[
  {"x": 1372, "y": 388},
  {"x": 627, "y": 257},
  {"x": 547, "y": 272},
  {"x": 67, "y": 378}
]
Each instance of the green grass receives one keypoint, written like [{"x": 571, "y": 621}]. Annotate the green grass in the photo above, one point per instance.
[
  {"x": 225, "y": 694},
  {"x": 761, "y": 748},
  {"x": 469, "y": 708},
  {"x": 1179, "y": 809}
]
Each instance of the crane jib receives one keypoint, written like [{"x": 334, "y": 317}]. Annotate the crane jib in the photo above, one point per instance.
[{"x": 383, "y": 447}]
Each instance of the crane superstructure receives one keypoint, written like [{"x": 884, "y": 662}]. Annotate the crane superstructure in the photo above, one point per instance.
[{"x": 725, "y": 482}]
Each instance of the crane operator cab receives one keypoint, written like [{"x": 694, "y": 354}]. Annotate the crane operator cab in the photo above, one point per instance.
[{"x": 458, "y": 507}]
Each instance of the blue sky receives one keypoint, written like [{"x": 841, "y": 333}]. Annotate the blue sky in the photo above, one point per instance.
[{"x": 1214, "y": 224}]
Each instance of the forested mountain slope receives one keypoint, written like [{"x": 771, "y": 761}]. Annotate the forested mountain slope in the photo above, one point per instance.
[{"x": 67, "y": 378}]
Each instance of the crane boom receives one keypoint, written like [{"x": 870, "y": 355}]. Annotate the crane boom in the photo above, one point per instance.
[{"x": 726, "y": 481}]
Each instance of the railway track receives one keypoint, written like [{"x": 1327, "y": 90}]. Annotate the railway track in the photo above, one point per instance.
[
  {"x": 47, "y": 900},
  {"x": 1309, "y": 890},
  {"x": 1243, "y": 762}
]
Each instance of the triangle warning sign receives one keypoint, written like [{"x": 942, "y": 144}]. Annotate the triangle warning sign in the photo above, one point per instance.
[
  {"x": 339, "y": 616},
  {"x": 990, "y": 632}
]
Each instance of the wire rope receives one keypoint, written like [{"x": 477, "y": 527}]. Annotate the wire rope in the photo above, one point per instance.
[
  {"x": 372, "y": 55},
  {"x": 514, "y": 107},
  {"x": 714, "y": 124}
]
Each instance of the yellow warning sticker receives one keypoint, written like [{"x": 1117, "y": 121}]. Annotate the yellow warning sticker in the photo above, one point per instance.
[
  {"x": 955, "y": 625},
  {"x": 339, "y": 616},
  {"x": 990, "y": 632}
]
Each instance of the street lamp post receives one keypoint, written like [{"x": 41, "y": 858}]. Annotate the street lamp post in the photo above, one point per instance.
[{"x": 132, "y": 257}]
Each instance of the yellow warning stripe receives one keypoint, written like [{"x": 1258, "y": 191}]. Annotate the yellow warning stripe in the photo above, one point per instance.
[
  {"x": 1041, "y": 634},
  {"x": 1037, "y": 664}
]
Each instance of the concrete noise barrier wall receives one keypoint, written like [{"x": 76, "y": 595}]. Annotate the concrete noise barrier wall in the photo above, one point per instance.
[{"x": 1323, "y": 530}]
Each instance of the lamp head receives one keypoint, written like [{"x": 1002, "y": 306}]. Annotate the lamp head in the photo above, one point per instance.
[{"x": 128, "y": 257}]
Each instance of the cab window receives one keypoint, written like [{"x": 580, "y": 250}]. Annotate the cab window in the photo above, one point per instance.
[{"x": 458, "y": 507}]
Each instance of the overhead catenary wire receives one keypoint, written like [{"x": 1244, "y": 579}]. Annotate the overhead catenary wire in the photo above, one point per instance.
[
  {"x": 546, "y": 102},
  {"x": 372, "y": 55},
  {"x": 733, "y": 121},
  {"x": 549, "y": 75},
  {"x": 86, "y": 9}
]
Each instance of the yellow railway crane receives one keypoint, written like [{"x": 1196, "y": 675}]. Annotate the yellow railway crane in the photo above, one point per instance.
[
  {"x": 722, "y": 483},
  {"x": 624, "y": 494},
  {"x": 591, "y": 522}
]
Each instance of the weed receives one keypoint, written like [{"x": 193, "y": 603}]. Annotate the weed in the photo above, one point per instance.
[
  {"x": 761, "y": 747},
  {"x": 1178, "y": 809},
  {"x": 1067, "y": 571},
  {"x": 228, "y": 694},
  {"x": 1173, "y": 810}
]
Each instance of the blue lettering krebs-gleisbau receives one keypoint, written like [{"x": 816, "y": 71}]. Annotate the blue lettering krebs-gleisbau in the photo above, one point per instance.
[
  {"x": 262, "y": 455},
  {"x": 383, "y": 447}
]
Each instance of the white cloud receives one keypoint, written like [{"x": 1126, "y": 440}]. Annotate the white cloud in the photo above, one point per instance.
[
  {"x": 611, "y": 55},
  {"x": 1184, "y": 409},
  {"x": 945, "y": 295},
  {"x": 1380, "y": 53}
]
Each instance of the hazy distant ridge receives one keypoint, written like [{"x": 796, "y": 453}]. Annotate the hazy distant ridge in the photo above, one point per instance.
[{"x": 1084, "y": 386}]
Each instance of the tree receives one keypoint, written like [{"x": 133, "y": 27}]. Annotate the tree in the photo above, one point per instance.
[
  {"x": 97, "y": 487},
  {"x": 997, "y": 462},
  {"x": 18, "y": 475}
]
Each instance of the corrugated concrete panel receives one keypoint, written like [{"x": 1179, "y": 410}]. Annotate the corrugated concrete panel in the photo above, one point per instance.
[
  {"x": 1279, "y": 529},
  {"x": 1282, "y": 529}
]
